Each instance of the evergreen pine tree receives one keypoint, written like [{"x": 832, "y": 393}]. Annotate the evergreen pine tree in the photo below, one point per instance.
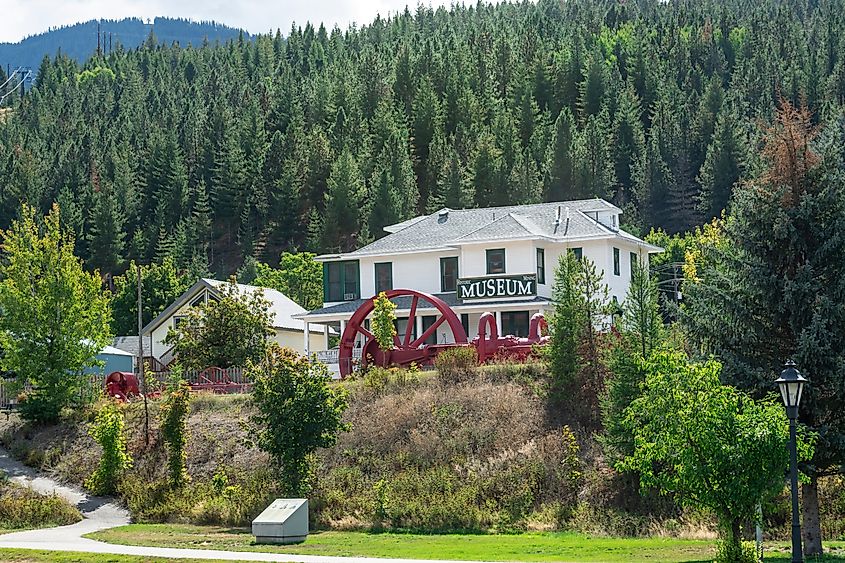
[
  {"x": 559, "y": 178},
  {"x": 628, "y": 143},
  {"x": 486, "y": 169},
  {"x": 722, "y": 166},
  {"x": 106, "y": 234},
  {"x": 343, "y": 202},
  {"x": 771, "y": 289}
]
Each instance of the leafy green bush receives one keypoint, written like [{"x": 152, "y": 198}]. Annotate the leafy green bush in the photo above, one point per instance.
[
  {"x": 729, "y": 552},
  {"x": 298, "y": 411},
  {"x": 380, "y": 379},
  {"x": 383, "y": 322},
  {"x": 107, "y": 431},
  {"x": 457, "y": 364},
  {"x": 174, "y": 431}
]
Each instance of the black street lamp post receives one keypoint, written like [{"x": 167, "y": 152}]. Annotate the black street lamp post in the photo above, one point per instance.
[{"x": 791, "y": 384}]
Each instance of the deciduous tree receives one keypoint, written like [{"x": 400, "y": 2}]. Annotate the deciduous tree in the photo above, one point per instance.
[
  {"x": 54, "y": 320},
  {"x": 224, "y": 332},
  {"x": 696, "y": 439},
  {"x": 298, "y": 411}
]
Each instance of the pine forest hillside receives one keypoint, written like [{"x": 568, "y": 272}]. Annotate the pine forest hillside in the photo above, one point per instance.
[
  {"x": 79, "y": 41},
  {"x": 318, "y": 139}
]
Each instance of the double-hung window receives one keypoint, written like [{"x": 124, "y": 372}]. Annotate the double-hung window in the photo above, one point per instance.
[
  {"x": 616, "y": 267},
  {"x": 496, "y": 261},
  {"x": 384, "y": 276},
  {"x": 341, "y": 281},
  {"x": 541, "y": 265},
  {"x": 449, "y": 274}
]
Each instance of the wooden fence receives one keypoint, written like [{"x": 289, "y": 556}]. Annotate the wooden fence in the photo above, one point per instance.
[{"x": 228, "y": 380}]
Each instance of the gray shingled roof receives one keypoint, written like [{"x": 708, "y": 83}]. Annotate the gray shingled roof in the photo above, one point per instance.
[
  {"x": 128, "y": 344},
  {"x": 450, "y": 227}
]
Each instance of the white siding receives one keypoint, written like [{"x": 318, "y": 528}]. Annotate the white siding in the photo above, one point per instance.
[{"x": 422, "y": 271}]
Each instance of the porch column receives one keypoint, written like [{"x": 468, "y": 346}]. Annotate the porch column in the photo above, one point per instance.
[
  {"x": 307, "y": 337},
  {"x": 342, "y": 327},
  {"x": 326, "y": 335},
  {"x": 499, "y": 322},
  {"x": 419, "y": 330}
]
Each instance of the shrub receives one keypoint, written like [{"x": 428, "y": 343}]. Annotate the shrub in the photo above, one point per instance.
[
  {"x": 532, "y": 372},
  {"x": 174, "y": 431},
  {"x": 298, "y": 411},
  {"x": 383, "y": 323},
  {"x": 729, "y": 552},
  {"x": 380, "y": 379},
  {"x": 215, "y": 502},
  {"x": 107, "y": 431},
  {"x": 21, "y": 507},
  {"x": 457, "y": 364}
]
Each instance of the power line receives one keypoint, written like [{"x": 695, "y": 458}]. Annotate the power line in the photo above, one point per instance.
[{"x": 23, "y": 79}]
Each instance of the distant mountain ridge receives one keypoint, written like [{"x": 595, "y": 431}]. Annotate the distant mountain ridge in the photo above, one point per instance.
[{"x": 79, "y": 41}]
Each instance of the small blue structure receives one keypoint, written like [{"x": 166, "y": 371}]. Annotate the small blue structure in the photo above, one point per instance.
[{"x": 113, "y": 360}]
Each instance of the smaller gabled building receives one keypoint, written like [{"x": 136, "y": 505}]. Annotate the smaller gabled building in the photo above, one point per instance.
[{"x": 287, "y": 330}]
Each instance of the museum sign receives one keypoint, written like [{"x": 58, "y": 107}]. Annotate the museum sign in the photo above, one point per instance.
[{"x": 492, "y": 287}]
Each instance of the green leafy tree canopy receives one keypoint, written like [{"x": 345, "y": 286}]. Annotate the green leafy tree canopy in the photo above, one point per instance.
[
  {"x": 55, "y": 319},
  {"x": 224, "y": 332},
  {"x": 298, "y": 411},
  {"x": 708, "y": 444}
]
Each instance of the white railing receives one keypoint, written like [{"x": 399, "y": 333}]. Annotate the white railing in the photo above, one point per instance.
[{"x": 333, "y": 356}]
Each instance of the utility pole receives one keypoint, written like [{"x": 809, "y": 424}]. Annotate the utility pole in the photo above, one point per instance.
[{"x": 141, "y": 375}]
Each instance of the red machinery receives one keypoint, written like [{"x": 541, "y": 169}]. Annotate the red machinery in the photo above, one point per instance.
[
  {"x": 409, "y": 350},
  {"x": 122, "y": 385},
  {"x": 510, "y": 346}
]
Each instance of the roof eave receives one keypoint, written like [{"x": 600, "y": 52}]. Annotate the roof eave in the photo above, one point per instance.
[
  {"x": 354, "y": 255},
  {"x": 176, "y": 305}
]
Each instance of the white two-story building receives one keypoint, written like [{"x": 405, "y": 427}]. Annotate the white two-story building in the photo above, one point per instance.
[{"x": 498, "y": 259}]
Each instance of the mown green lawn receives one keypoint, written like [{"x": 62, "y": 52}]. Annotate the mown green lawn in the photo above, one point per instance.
[
  {"x": 39, "y": 556},
  {"x": 529, "y": 547}
]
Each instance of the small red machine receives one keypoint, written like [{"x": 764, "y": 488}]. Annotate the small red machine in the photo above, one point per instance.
[{"x": 122, "y": 385}]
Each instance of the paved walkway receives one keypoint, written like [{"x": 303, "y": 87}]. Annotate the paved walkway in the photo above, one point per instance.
[{"x": 101, "y": 513}]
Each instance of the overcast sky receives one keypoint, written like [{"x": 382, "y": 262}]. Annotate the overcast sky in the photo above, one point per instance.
[{"x": 27, "y": 17}]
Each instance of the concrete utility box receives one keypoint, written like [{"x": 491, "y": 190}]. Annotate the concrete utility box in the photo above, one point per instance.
[{"x": 284, "y": 521}]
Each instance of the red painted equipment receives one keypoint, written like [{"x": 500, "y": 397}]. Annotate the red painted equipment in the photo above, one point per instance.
[
  {"x": 122, "y": 385},
  {"x": 408, "y": 350},
  {"x": 509, "y": 346}
]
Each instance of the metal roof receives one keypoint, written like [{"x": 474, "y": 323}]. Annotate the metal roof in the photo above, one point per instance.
[
  {"x": 128, "y": 344},
  {"x": 448, "y": 228},
  {"x": 281, "y": 311}
]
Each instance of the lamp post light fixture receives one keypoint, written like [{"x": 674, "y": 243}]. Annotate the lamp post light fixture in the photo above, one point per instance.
[{"x": 791, "y": 384}]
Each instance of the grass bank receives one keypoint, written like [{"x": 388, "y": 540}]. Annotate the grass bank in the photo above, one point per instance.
[
  {"x": 531, "y": 547},
  {"x": 21, "y": 508}
]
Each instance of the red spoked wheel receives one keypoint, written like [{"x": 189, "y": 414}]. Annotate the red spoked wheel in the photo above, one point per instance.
[{"x": 406, "y": 350}]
